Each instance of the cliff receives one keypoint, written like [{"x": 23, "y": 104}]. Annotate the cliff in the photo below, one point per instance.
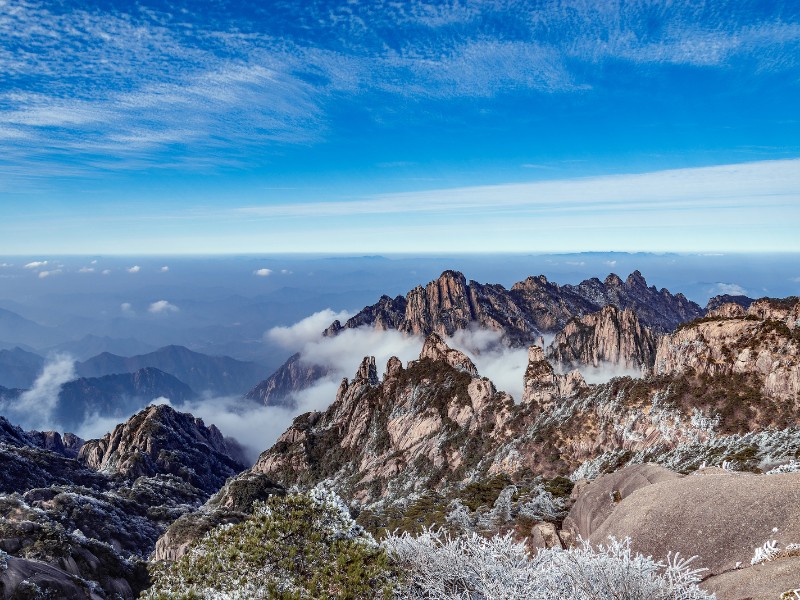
[{"x": 608, "y": 337}]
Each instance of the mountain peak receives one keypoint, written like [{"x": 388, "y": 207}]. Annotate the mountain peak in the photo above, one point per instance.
[
  {"x": 159, "y": 439},
  {"x": 636, "y": 279},
  {"x": 437, "y": 350},
  {"x": 613, "y": 280}
]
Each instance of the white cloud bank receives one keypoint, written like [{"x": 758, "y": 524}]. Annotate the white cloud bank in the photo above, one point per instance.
[
  {"x": 306, "y": 330},
  {"x": 35, "y": 408}
]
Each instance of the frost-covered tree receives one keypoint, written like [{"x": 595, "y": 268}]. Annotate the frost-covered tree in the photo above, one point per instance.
[{"x": 298, "y": 547}]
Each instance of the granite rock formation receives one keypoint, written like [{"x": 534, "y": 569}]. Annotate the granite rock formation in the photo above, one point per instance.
[
  {"x": 762, "y": 340},
  {"x": 608, "y": 337}
]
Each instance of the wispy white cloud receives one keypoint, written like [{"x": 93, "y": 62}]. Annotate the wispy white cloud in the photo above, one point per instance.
[
  {"x": 134, "y": 269},
  {"x": 262, "y": 272},
  {"x": 162, "y": 307},
  {"x": 45, "y": 274},
  {"x": 36, "y": 406},
  {"x": 116, "y": 89},
  {"x": 733, "y": 289},
  {"x": 307, "y": 330},
  {"x": 36, "y": 264},
  {"x": 767, "y": 183}
]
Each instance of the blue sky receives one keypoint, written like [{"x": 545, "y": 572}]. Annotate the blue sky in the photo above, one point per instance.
[{"x": 355, "y": 126}]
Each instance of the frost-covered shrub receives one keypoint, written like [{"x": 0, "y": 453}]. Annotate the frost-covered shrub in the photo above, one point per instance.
[
  {"x": 792, "y": 466},
  {"x": 771, "y": 551},
  {"x": 440, "y": 567},
  {"x": 301, "y": 546},
  {"x": 542, "y": 505}
]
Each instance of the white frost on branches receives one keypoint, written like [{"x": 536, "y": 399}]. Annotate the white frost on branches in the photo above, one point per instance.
[
  {"x": 770, "y": 551},
  {"x": 471, "y": 567},
  {"x": 792, "y": 466}
]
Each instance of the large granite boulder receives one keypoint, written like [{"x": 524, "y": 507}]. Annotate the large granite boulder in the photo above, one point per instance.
[{"x": 718, "y": 516}]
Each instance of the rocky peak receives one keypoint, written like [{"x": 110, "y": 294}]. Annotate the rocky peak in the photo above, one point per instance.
[
  {"x": 436, "y": 349},
  {"x": 636, "y": 279},
  {"x": 161, "y": 440},
  {"x": 393, "y": 368},
  {"x": 717, "y": 301},
  {"x": 542, "y": 386},
  {"x": 292, "y": 376},
  {"x": 728, "y": 310},
  {"x": 530, "y": 308},
  {"x": 786, "y": 310},
  {"x": 610, "y": 336},
  {"x": 367, "y": 371}
]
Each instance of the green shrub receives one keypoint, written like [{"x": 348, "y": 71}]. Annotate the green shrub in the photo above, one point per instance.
[{"x": 297, "y": 547}]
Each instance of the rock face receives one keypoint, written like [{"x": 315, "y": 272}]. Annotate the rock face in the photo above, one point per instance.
[
  {"x": 608, "y": 337},
  {"x": 416, "y": 426},
  {"x": 543, "y": 386},
  {"x": 719, "y": 516},
  {"x": 522, "y": 313},
  {"x": 763, "y": 340},
  {"x": 294, "y": 375},
  {"x": 717, "y": 301},
  {"x": 160, "y": 440}
]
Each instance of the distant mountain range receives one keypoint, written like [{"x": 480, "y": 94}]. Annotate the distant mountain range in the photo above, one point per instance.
[
  {"x": 109, "y": 396},
  {"x": 216, "y": 374},
  {"x": 529, "y": 309},
  {"x": 19, "y": 368},
  {"x": 219, "y": 375}
]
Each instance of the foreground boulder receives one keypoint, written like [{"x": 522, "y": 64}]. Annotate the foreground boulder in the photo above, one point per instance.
[{"x": 720, "y": 516}]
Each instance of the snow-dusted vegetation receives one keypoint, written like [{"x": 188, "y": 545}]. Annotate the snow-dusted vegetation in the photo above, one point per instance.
[
  {"x": 477, "y": 568},
  {"x": 308, "y": 546},
  {"x": 302, "y": 546}
]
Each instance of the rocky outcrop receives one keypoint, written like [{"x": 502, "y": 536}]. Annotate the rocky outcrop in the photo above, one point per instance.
[
  {"x": 595, "y": 501},
  {"x": 72, "y": 529},
  {"x": 763, "y": 341},
  {"x": 418, "y": 426},
  {"x": 436, "y": 350},
  {"x": 714, "y": 303},
  {"x": 609, "y": 337},
  {"x": 293, "y": 376},
  {"x": 543, "y": 386},
  {"x": 21, "y": 578},
  {"x": 719, "y": 516},
  {"x": 161, "y": 440},
  {"x": 765, "y": 581},
  {"x": 232, "y": 504},
  {"x": 524, "y": 312}
]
